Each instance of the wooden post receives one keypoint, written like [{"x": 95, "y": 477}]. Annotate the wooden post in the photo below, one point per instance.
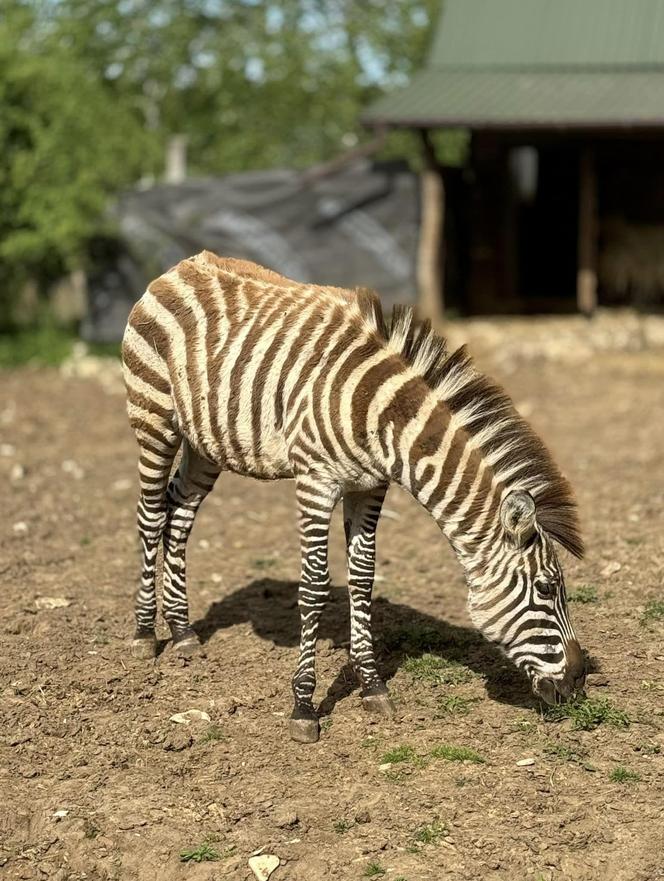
[
  {"x": 430, "y": 251},
  {"x": 586, "y": 277}
]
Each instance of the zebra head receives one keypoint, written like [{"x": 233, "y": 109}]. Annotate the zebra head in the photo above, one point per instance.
[{"x": 517, "y": 600}]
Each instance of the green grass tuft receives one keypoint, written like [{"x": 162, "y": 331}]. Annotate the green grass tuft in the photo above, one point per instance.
[
  {"x": 623, "y": 775},
  {"x": 455, "y": 705},
  {"x": 567, "y": 754},
  {"x": 588, "y": 714},
  {"x": 654, "y": 611},
  {"x": 342, "y": 826},
  {"x": 400, "y": 754},
  {"x": 374, "y": 870},
  {"x": 213, "y": 732},
  {"x": 45, "y": 346},
  {"x": 202, "y": 853},
  {"x": 263, "y": 562},
  {"x": 585, "y": 594},
  {"x": 431, "y": 833},
  {"x": 433, "y": 668},
  {"x": 456, "y": 754}
]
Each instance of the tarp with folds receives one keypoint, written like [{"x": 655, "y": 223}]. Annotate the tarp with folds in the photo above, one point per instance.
[{"x": 357, "y": 227}]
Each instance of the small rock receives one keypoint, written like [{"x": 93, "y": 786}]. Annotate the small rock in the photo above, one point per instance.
[
  {"x": 17, "y": 472},
  {"x": 20, "y": 528},
  {"x": 216, "y": 578},
  {"x": 363, "y": 817},
  {"x": 597, "y": 680},
  {"x": 7, "y": 449},
  {"x": 52, "y": 602},
  {"x": 385, "y": 767},
  {"x": 610, "y": 569},
  {"x": 73, "y": 468},
  {"x": 59, "y": 815},
  {"x": 285, "y": 818},
  {"x": 523, "y": 763},
  {"x": 264, "y": 865},
  {"x": 189, "y": 716},
  {"x": 204, "y": 544}
]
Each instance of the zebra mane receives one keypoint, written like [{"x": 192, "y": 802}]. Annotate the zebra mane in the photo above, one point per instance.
[{"x": 488, "y": 414}]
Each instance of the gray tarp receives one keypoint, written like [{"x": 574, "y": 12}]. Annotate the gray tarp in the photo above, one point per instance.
[{"x": 357, "y": 227}]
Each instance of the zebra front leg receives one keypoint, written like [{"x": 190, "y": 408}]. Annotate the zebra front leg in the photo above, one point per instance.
[
  {"x": 361, "y": 513},
  {"x": 194, "y": 479},
  {"x": 158, "y": 447},
  {"x": 316, "y": 501}
]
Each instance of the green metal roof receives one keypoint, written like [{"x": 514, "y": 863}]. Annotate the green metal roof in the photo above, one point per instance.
[{"x": 538, "y": 63}]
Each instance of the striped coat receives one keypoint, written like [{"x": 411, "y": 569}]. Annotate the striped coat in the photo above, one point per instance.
[{"x": 251, "y": 372}]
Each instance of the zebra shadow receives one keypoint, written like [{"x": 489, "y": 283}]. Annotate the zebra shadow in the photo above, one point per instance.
[{"x": 400, "y": 632}]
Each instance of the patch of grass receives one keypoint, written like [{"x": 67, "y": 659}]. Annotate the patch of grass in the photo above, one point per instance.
[
  {"x": 46, "y": 346},
  {"x": 523, "y": 724},
  {"x": 585, "y": 594},
  {"x": 648, "y": 749},
  {"x": 433, "y": 668},
  {"x": 586, "y": 714},
  {"x": 213, "y": 732},
  {"x": 621, "y": 774},
  {"x": 263, "y": 562},
  {"x": 431, "y": 833},
  {"x": 86, "y": 540},
  {"x": 202, "y": 853},
  {"x": 400, "y": 754},
  {"x": 342, "y": 826},
  {"x": 654, "y": 611},
  {"x": 369, "y": 743},
  {"x": 567, "y": 754},
  {"x": 456, "y": 754},
  {"x": 374, "y": 870},
  {"x": 455, "y": 705}
]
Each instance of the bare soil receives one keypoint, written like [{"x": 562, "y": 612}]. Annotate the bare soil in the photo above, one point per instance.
[{"x": 97, "y": 783}]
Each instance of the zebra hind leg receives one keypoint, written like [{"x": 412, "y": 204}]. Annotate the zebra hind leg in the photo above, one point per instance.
[
  {"x": 158, "y": 448},
  {"x": 192, "y": 482},
  {"x": 361, "y": 513}
]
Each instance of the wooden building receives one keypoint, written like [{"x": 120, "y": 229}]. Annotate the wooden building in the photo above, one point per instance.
[{"x": 560, "y": 204}]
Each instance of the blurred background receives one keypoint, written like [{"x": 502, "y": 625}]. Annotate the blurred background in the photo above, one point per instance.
[{"x": 484, "y": 158}]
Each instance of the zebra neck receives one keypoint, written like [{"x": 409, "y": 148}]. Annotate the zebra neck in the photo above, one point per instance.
[{"x": 438, "y": 463}]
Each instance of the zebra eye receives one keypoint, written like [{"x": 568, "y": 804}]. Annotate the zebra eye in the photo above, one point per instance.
[{"x": 544, "y": 588}]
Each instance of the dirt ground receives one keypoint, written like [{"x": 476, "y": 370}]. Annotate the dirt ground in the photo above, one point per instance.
[{"x": 97, "y": 782}]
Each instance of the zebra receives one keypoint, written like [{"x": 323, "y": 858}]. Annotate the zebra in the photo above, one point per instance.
[{"x": 250, "y": 372}]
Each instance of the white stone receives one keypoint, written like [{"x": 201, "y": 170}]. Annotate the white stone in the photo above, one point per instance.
[
  {"x": 264, "y": 865},
  {"x": 190, "y": 716},
  {"x": 523, "y": 763},
  {"x": 20, "y": 528},
  {"x": 52, "y": 602}
]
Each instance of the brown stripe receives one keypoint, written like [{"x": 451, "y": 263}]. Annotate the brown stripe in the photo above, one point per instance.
[
  {"x": 145, "y": 373},
  {"x": 303, "y": 336},
  {"x": 365, "y": 391},
  {"x": 334, "y": 322}
]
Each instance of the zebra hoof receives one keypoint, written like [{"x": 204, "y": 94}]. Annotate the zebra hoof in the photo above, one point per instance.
[
  {"x": 304, "y": 730},
  {"x": 189, "y": 646},
  {"x": 144, "y": 648},
  {"x": 379, "y": 705}
]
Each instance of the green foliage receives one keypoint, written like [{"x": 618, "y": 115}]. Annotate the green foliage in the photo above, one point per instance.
[
  {"x": 621, "y": 774},
  {"x": 433, "y": 668},
  {"x": 342, "y": 826},
  {"x": 399, "y": 754},
  {"x": 455, "y": 705},
  {"x": 654, "y": 611},
  {"x": 456, "y": 754},
  {"x": 92, "y": 90},
  {"x": 374, "y": 870},
  {"x": 212, "y": 733},
  {"x": 585, "y": 594},
  {"x": 431, "y": 833},
  {"x": 577, "y": 755},
  {"x": 588, "y": 714},
  {"x": 202, "y": 853},
  {"x": 43, "y": 345}
]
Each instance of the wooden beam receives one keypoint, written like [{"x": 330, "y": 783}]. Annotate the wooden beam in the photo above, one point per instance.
[
  {"x": 430, "y": 251},
  {"x": 586, "y": 277}
]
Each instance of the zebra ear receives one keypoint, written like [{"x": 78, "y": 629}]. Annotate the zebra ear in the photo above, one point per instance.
[{"x": 517, "y": 514}]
